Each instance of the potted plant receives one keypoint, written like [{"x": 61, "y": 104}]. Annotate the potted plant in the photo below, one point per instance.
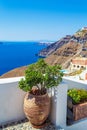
[
  {"x": 38, "y": 78},
  {"x": 79, "y": 103}
]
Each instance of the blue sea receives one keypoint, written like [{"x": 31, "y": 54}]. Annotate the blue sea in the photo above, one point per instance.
[{"x": 17, "y": 54}]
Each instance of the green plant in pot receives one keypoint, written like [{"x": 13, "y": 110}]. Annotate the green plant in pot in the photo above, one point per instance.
[
  {"x": 38, "y": 78},
  {"x": 78, "y": 103}
]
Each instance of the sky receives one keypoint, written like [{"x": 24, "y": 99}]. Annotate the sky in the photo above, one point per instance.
[{"x": 24, "y": 20}]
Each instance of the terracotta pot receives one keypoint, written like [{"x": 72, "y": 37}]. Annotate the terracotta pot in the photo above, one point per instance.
[{"x": 37, "y": 108}]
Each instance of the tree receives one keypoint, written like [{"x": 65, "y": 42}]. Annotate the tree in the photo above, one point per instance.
[{"x": 41, "y": 75}]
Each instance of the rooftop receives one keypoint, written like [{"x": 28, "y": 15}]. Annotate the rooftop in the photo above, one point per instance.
[{"x": 80, "y": 58}]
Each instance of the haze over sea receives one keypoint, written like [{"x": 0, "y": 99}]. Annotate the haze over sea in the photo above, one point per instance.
[{"x": 17, "y": 54}]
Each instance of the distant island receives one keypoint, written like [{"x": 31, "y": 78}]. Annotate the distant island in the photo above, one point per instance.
[{"x": 46, "y": 42}]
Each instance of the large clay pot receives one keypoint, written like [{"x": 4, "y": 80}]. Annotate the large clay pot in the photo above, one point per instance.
[{"x": 37, "y": 108}]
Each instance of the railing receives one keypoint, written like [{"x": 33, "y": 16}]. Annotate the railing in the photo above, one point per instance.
[{"x": 11, "y": 100}]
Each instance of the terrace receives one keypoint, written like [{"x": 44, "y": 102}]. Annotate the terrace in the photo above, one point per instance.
[{"x": 11, "y": 106}]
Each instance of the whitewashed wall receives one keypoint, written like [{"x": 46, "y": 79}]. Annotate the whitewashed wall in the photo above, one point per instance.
[
  {"x": 75, "y": 83},
  {"x": 59, "y": 104},
  {"x": 11, "y": 100}
]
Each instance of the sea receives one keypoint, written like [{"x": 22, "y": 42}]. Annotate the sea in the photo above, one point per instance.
[{"x": 17, "y": 54}]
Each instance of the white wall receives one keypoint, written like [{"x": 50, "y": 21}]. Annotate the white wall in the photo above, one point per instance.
[
  {"x": 75, "y": 83},
  {"x": 59, "y": 104},
  {"x": 11, "y": 100}
]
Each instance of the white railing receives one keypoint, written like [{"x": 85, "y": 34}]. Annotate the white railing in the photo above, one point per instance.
[{"x": 11, "y": 100}]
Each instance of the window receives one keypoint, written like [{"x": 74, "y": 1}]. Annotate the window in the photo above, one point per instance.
[
  {"x": 78, "y": 66},
  {"x": 74, "y": 65},
  {"x": 82, "y": 67}
]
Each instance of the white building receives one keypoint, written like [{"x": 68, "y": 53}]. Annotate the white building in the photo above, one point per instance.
[{"x": 78, "y": 63}]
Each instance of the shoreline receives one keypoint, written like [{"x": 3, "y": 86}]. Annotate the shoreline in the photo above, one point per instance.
[{"x": 17, "y": 72}]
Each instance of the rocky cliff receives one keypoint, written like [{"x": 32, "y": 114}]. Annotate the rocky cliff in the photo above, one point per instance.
[
  {"x": 79, "y": 37},
  {"x": 54, "y": 46},
  {"x": 62, "y": 51}
]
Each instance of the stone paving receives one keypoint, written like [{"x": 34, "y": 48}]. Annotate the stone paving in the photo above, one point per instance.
[{"x": 25, "y": 125}]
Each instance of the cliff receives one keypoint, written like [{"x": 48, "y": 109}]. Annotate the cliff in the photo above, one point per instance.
[
  {"x": 64, "y": 50},
  {"x": 79, "y": 37},
  {"x": 54, "y": 46}
]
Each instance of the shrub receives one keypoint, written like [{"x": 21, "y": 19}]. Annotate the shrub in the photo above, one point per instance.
[
  {"x": 77, "y": 95},
  {"x": 41, "y": 75}
]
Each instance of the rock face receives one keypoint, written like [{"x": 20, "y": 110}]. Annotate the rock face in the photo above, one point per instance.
[
  {"x": 54, "y": 46},
  {"x": 64, "y": 55},
  {"x": 62, "y": 51},
  {"x": 79, "y": 37}
]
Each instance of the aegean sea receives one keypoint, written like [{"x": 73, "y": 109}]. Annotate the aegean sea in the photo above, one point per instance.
[{"x": 17, "y": 54}]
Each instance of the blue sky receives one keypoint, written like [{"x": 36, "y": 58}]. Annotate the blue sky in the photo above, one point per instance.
[{"x": 22, "y": 20}]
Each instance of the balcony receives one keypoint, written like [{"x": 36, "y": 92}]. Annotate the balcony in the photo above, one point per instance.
[{"x": 12, "y": 116}]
